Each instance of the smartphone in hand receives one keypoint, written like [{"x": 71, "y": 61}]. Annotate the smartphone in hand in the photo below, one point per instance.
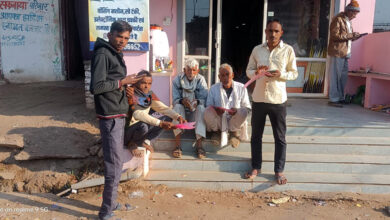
[{"x": 270, "y": 73}]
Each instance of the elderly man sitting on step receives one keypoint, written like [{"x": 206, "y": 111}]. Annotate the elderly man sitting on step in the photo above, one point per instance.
[
  {"x": 189, "y": 98},
  {"x": 227, "y": 109}
]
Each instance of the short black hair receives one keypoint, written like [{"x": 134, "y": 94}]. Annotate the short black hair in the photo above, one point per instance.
[
  {"x": 120, "y": 27},
  {"x": 144, "y": 73},
  {"x": 275, "y": 20}
]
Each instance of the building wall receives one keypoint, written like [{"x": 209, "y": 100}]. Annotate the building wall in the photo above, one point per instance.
[
  {"x": 136, "y": 61},
  {"x": 374, "y": 52},
  {"x": 31, "y": 46}
]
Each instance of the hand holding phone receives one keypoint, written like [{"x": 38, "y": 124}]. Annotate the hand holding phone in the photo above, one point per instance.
[{"x": 272, "y": 73}]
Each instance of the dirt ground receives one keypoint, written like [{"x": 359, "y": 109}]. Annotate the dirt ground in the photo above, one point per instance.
[
  {"x": 45, "y": 134},
  {"x": 160, "y": 202},
  {"x": 46, "y": 137}
]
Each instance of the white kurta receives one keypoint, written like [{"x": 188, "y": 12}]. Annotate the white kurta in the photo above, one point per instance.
[{"x": 239, "y": 98}]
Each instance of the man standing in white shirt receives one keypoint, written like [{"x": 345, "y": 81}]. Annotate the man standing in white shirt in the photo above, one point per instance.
[
  {"x": 233, "y": 97},
  {"x": 339, "y": 51},
  {"x": 277, "y": 61}
]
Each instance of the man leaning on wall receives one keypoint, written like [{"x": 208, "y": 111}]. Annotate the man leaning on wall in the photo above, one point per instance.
[{"x": 339, "y": 51}]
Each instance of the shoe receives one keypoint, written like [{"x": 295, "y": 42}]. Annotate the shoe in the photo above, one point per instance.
[
  {"x": 118, "y": 207},
  {"x": 216, "y": 139},
  {"x": 107, "y": 216},
  {"x": 335, "y": 104},
  {"x": 343, "y": 102}
]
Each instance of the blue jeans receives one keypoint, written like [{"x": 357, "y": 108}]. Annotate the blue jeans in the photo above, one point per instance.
[
  {"x": 338, "y": 72},
  {"x": 112, "y": 133}
]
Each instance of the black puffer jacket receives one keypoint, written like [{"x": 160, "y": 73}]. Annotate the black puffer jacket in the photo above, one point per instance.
[{"x": 108, "y": 67}]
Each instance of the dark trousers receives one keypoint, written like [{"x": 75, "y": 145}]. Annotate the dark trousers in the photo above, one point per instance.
[
  {"x": 112, "y": 132},
  {"x": 140, "y": 131},
  {"x": 277, "y": 116}
]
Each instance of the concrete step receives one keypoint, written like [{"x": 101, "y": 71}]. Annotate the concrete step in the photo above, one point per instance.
[
  {"x": 268, "y": 146},
  {"x": 291, "y": 157},
  {"x": 315, "y": 130},
  {"x": 325, "y": 182},
  {"x": 240, "y": 162}
]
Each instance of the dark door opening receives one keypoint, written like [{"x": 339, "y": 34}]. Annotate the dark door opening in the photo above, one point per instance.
[
  {"x": 72, "y": 46},
  {"x": 242, "y": 30}
]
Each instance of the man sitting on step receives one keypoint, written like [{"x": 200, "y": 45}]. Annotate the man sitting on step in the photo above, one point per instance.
[
  {"x": 189, "y": 96},
  {"x": 144, "y": 127},
  {"x": 227, "y": 109}
]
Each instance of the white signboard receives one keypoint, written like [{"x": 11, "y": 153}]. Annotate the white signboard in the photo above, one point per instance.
[
  {"x": 103, "y": 13},
  {"x": 30, "y": 41}
]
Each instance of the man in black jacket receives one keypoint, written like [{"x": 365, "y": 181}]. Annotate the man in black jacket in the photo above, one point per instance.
[{"x": 107, "y": 82}]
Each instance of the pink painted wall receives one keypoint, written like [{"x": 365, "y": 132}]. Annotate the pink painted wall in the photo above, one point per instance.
[
  {"x": 374, "y": 51},
  {"x": 159, "y": 9},
  {"x": 136, "y": 61}
]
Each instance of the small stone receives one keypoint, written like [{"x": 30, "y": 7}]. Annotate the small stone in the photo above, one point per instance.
[
  {"x": 19, "y": 186},
  {"x": 100, "y": 153},
  {"x": 7, "y": 175},
  {"x": 165, "y": 213},
  {"x": 120, "y": 189},
  {"x": 387, "y": 209},
  {"x": 94, "y": 150}
]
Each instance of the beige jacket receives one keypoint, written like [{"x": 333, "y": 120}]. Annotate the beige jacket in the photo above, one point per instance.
[
  {"x": 339, "y": 36},
  {"x": 140, "y": 114}
]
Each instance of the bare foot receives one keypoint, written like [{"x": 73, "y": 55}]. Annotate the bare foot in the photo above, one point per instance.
[
  {"x": 136, "y": 153},
  {"x": 134, "y": 150},
  {"x": 251, "y": 174},
  {"x": 148, "y": 147},
  {"x": 280, "y": 178}
]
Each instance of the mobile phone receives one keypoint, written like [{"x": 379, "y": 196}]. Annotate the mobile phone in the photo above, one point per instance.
[{"x": 272, "y": 72}]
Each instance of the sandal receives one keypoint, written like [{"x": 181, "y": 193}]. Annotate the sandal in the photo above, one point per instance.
[
  {"x": 252, "y": 174},
  {"x": 200, "y": 152},
  {"x": 280, "y": 179},
  {"x": 177, "y": 152}
]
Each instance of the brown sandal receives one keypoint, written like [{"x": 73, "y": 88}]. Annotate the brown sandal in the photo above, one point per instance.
[
  {"x": 177, "y": 152},
  {"x": 200, "y": 152}
]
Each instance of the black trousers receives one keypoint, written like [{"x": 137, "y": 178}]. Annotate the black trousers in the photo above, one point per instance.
[
  {"x": 140, "y": 131},
  {"x": 277, "y": 115}
]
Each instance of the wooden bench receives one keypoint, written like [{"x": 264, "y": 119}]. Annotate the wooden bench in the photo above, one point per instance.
[{"x": 377, "y": 87}]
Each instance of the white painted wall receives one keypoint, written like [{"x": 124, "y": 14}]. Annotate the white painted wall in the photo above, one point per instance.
[{"x": 31, "y": 46}]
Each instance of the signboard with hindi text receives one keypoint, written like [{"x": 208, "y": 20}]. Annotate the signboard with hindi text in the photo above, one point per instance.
[
  {"x": 102, "y": 13},
  {"x": 31, "y": 45}
]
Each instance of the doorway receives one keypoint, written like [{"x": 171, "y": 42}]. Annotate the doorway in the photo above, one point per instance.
[{"x": 242, "y": 30}]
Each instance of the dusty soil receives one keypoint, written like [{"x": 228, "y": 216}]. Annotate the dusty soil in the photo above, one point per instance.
[
  {"x": 160, "y": 202},
  {"x": 45, "y": 134}
]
